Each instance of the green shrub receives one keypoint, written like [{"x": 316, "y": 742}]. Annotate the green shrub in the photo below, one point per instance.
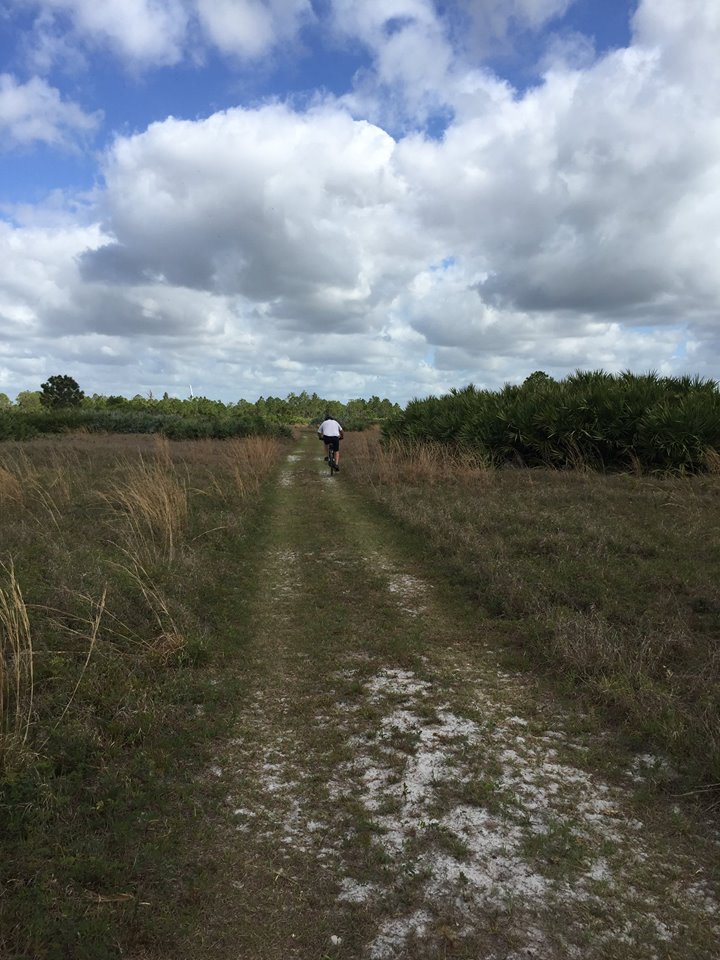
[
  {"x": 22, "y": 425},
  {"x": 591, "y": 419}
]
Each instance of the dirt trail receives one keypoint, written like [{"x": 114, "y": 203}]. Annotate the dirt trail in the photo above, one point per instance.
[{"x": 392, "y": 793}]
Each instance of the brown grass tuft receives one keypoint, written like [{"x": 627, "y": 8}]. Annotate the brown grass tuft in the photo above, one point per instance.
[
  {"x": 400, "y": 462},
  {"x": 250, "y": 460},
  {"x": 16, "y": 667},
  {"x": 712, "y": 461},
  {"x": 11, "y": 490},
  {"x": 154, "y": 502}
]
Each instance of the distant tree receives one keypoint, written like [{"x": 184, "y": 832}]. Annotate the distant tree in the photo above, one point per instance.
[
  {"x": 5, "y": 401},
  {"x": 537, "y": 379},
  {"x": 28, "y": 400},
  {"x": 60, "y": 391}
]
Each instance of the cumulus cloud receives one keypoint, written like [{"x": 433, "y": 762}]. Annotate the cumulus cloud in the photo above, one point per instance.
[
  {"x": 159, "y": 33},
  {"x": 35, "y": 112},
  {"x": 140, "y": 31},
  {"x": 571, "y": 225},
  {"x": 298, "y": 213},
  {"x": 590, "y": 194},
  {"x": 411, "y": 59},
  {"x": 249, "y": 28},
  {"x": 483, "y": 27}
]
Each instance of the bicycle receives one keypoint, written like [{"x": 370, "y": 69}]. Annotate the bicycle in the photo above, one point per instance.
[{"x": 333, "y": 467}]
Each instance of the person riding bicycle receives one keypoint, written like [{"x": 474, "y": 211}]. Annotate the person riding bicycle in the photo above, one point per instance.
[{"x": 331, "y": 433}]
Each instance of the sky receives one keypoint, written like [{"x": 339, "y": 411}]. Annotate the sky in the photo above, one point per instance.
[{"x": 243, "y": 198}]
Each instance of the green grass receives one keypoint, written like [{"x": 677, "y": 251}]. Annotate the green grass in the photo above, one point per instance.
[
  {"x": 228, "y": 765},
  {"x": 608, "y": 583},
  {"x": 102, "y": 804}
]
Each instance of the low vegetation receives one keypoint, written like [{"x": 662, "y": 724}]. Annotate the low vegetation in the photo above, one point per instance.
[
  {"x": 26, "y": 424},
  {"x": 609, "y": 582},
  {"x": 61, "y": 407},
  {"x": 121, "y": 557},
  {"x": 590, "y": 420}
]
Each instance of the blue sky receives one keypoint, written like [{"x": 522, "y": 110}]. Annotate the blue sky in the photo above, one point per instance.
[{"x": 247, "y": 194}]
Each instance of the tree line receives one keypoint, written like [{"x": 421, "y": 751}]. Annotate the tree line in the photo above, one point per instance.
[{"x": 60, "y": 404}]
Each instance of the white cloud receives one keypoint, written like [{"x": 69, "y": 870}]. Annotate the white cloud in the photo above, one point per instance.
[
  {"x": 158, "y": 33},
  {"x": 38, "y": 277},
  {"x": 593, "y": 193},
  {"x": 571, "y": 226},
  {"x": 298, "y": 213},
  {"x": 493, "y": 19},
  {"x": 140, "y": 31},
  {"x": 251, "y": 28},
  {"x": 411, "y": 59},
  {"x": 483, "y": 28},
  {"x": 35, "y": 112},
  {"x": 685, "y": 37}
]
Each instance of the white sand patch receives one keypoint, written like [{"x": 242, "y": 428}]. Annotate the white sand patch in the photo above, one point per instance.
[
  {"x": 493, "y": 869},
  {"x": 396, "y": 682},
  {"x": 406, "y": 584},
  {"x": 702, "y": 895},
  {"x": 282, "y": 574},
  {"x": 409, "y": 591},
  {"x": 353, "y": 892},
  {"x": 647, "y": 766},
  {"x": 394, "y": 934},
  {"x": 600, "y": 872},
  {"x": 401, "y": 721},
  {"x": 407, "y": 588},
  {"x": 506, "y": 855}
]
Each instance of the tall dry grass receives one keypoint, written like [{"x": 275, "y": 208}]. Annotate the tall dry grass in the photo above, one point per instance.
[
  {"x": 46, "y": 489},
  {"x": 712, "y": 461},
  {"x": 16, "y": 667},
  {"x": 11, "y": 490},
  {"x": 398, "y": 461},
  {"x": 106, "y": 720},
  {"x": 88, "y": 629},
  {"x": 249, "y": 462},
  {"x": 152, "y": 502}
]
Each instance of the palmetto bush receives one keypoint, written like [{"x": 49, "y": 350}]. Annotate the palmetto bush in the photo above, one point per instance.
[{"x": 591, "y": 419}]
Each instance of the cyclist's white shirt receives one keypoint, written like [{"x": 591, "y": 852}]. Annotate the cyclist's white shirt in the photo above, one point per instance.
[{"x": 329, "y": 428}]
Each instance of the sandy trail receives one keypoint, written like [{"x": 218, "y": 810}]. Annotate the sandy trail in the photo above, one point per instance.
[{"x": 393, "y": 793}]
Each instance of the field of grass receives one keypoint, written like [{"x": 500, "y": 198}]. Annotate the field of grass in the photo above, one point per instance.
[
  {"x": 193, "y": 765},
  {"x": 125, "y": 567},
  {"x": 609, "y": 583}
]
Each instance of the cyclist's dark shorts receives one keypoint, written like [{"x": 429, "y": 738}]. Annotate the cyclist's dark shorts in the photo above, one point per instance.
[{"x": 333, "y": 442}]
